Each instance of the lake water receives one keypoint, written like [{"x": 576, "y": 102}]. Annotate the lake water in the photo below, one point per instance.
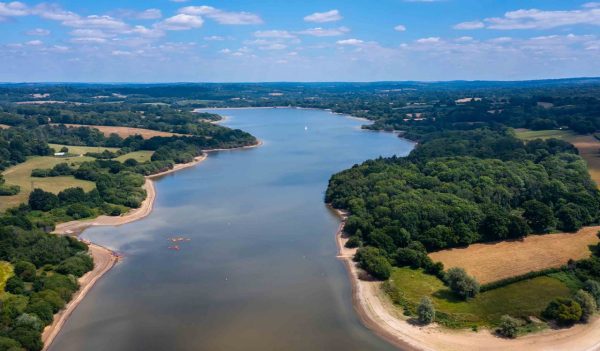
[{"x": 260, "y": 271}]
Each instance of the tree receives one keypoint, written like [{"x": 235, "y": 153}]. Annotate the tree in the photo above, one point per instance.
[
  {"x": 564, "y": 311},
  {"x": 461, "y": 283},
  {"x": 494, "y": 225},
  {"x": 64, "y": 149},
  {"x": 425, "y": 311},
  {"x": 593, "y": 287},
  {"x": 41, "y": 200},
  {"x": 15, "y": 285},
  {"x": 587, "y": 303},
  {"x": 371, "y": 260},
  {"x": 539, "y": 216},
  {"x": 25, "y": 270},
  {"x": 509, "y": 326},
  {"x": 569, "y": 217}
]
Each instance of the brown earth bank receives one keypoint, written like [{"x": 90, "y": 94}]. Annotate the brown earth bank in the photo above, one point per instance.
[
  {"x": 490, "y": 262},
  {"x": 379, "y": 314}
]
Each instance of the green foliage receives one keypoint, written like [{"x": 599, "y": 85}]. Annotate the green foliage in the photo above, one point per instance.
[
  {"x": 25, "y": 270},
  {"x": 76, "y": 265},
  {"x": 371, "y": 260},
  {"x": 509, "y": 327},
  {"x": 42, "y": 201},
  {"x": 425, "y": 311},
  {"x": 593, "y": 287},
  {"x": 587, "y": 303},
  {"x": 461, "y": 283},
  {"x": 15, "y": 285},
  {"x": 564, "y": 311},
  {"x": 539, "y": 216}
]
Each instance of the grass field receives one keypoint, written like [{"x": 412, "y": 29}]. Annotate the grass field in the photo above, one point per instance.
[
  {"x": 6, "y": 271},
  {"x": 140, "y": 156},
  {"x": 124, "y": 132},
  {"x": 526, "y": 134},
  {"x": 21, "y": 175},
  {"x": 522, "y": 299},
  {"x": 81, "y": 150},
  {"x": 495, "y": 261}
]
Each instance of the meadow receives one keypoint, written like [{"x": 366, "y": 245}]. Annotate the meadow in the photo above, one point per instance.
[{"x": 124, "y": 132}]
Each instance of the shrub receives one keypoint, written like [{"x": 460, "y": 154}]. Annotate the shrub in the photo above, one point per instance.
[
  {"x": 509, "y": 326},
  {"x": 25, "y": 270},
  {"x": 29, "y": 321},
  {"x": 42, "y": 201},
  {"x": 587, "y": 303},
  {"x": 353, "y": 242},
  {"x": 564, "y": 311},
  {"x": 29, "y": 338},
  {"x": 593, "y": 287},
  {"x": 461, "y": 283},
  {"x": 77, "y": 265},
  {"x": 371, "y": 260},
  {"x": 15, "y": 285},
  {"x": 425, "y": 311},
  {"x": 8, "y": 344}
]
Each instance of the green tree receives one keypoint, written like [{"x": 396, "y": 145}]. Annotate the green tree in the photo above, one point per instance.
[
  {"x": 539, "y": 216},
  {"x": 425, "y": 311},
  {"x": 587, "y": 303},
  {"x": 25, "y": 270},
  {"x": 461, "y": 283},
  {"x": 15, "y": 285},
  {"x": 564, "y": 311},
  {"x": 371, "y": 260},
  {"x": 509, "y": 326},
  {"x": 593, "y": 287},
  {"x": 42, "y": 200}
]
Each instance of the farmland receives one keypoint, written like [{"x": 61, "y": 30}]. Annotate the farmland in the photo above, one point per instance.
[
  {"x": 140, "y": 156},
  {"x": 124, "y": 132},
  {"x": 82, "y": 150},
  {"x": 495, "y": 261},
  {"x": 21, "y": 175}
]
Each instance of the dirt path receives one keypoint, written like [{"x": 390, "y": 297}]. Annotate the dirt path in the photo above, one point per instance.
[{"x": 379, "y": 314}]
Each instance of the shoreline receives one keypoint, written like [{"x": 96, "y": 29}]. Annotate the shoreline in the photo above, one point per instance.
[
  {"x": 377, "y": 312},
  {"x": 104, "y": 258}
]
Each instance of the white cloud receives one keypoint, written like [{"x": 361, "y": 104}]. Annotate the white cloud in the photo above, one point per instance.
[
  {"x": 352, "y": 42},
  {"x": 148, "y": 14},
  {"x": 465, "y": 38},
  {"x": 222, "y": 17},
  {"x": 54, "y": 12},
  {"x": 430, "y": 40},
  {"x": 325, "y": 32},
  {"x": 90, "y": 33},
  {"x": 181, "y": 22},
  {"x": 225, "y": 51},
  {"x": 469, "y": 25},
  {"x": 283, "y": 34},
  {"x": 321, "y": 17},
  {"x": 38, "y": 32},
  {"x": 214, "y": 38},
  {"x": 273, "y": 46},
  {"x": 35, "y": 42},
  {"x": 13, "y": 9},
  {"x": 539, "y": 19},
  {"x": 400, "y": 28}
]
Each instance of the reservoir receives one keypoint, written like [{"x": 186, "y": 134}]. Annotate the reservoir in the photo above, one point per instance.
[{"x": 260, "y": 270}]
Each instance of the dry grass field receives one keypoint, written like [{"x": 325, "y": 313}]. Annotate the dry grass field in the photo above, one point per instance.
[
  {"x": 495, "y": 261},
  {"x": 21, "y": 175},
  {"x": 589, "y": 149},
  {"x": 140, "y": 156},
  {"x": 82, "y": 150},
  {"x": 124, "y": 132}
]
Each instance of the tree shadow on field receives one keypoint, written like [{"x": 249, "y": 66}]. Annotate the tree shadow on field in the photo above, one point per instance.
[{"x": 447, "y": 295}]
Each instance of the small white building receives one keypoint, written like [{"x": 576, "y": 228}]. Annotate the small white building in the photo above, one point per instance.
[{"x": 59, "y": 154}]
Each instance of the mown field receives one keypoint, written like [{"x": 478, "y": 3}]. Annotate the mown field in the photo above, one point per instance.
[
  {"x": 522, "y": 299},
  {"x": 124, "y": 132},
  {"x": 140, "y": 156},
  {"x": 21, "y": 175},
  {"x": 526, "y": 134},
  {"x": 490, "y": 262},
  {"x": 81, "y": 150}
]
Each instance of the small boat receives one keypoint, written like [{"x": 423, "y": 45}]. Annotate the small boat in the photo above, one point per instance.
[
  {"x": 174, "y": 247},
  {"x": 178, "y": 239}
]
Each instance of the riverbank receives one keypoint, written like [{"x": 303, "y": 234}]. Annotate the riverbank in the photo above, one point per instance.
[
  {"x": 104, "y": 258},
  {"x": 379, "y": 314}
]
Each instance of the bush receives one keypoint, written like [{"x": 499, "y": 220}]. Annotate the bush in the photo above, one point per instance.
[
  {"x": 593, "y": 287},
  {"x": 8, "y": 344},
  {"x": 371, "y": 260},
  {"x": 79, "y": 210},
  {"x": 461, "y": 283},
  {"x": 509, "y": 327},
  {"x": 29, "y": 321},
  {"x": 564, "y": 311},
  {"x": 15, "y": 285},
  {"x": 353, "y": 242},
  {"x": 425, "y": 311},
  {"x": 41, "y": 200},
  {"x": 587, "y": 303},
  {"x": 77, "y": 265},
  {"x": 25, "y": 270},
  {"x": 29, "y": 338}
]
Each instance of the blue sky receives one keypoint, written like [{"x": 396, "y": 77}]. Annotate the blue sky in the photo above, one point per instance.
[{"x": 276, "y": 40}]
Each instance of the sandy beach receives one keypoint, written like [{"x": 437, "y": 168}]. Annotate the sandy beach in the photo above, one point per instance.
[
  {"x": 105, "y": 259},
  {"x": 379, "y": 314}
]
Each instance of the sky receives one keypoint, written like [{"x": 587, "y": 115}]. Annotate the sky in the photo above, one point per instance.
[{"x": 293, "y": 40}]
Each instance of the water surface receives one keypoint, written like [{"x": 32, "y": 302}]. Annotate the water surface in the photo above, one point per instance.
[{"x": 260, "y": 271}]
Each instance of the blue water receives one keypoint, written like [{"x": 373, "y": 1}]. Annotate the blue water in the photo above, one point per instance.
[{"x": 260, "y": 271}]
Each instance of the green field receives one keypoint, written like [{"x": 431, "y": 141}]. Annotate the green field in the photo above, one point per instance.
[
  {"x": 140, "y": 156},
  {"x": 526, "y": 134},
  {"x": 81, "y": 150},
  {"x": 6, "y": 271},
  {"x": 21, "y": 175},
  {"x": 522, "y": 299}
]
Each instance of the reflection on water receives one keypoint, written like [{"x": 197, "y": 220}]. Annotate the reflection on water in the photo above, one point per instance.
[{"x": 260, "y": 271}]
